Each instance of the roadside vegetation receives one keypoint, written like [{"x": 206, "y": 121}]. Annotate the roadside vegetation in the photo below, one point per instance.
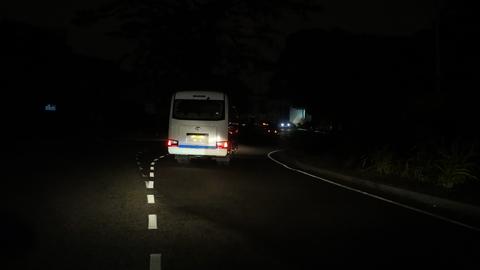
[
  {"x": 440, "y": 163},
  {"x": 439, "y": 166}
]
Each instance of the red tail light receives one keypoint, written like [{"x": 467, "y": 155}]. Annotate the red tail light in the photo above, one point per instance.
[
  {"x": 222, "y": 145},
  {"x": 172, "y": 143}
]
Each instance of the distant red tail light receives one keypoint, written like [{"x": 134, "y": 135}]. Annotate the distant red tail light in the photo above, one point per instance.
[
  {"x": 222, "y": 145},
  {"x": 172, "y": 143}
]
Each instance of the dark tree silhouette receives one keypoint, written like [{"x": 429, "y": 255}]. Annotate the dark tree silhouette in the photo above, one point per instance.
[{"x": 183, "y": 40}]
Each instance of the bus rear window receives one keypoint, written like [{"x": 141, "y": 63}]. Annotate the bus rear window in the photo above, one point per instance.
[{"x": 188, "y": 109}]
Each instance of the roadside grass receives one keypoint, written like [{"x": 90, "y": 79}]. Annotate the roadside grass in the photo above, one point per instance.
[
  {"x": 445, "y": 164},
  {"x": 436, "y": 166}
]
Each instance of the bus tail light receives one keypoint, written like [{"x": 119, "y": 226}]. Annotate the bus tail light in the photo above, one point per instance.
[
  {"x": 172, "y": 143},
  {"x": 222, "y": 145}
]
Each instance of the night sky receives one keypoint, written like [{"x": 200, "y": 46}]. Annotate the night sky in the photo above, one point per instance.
[
  {"x": 386, "y": 47},
  {"x": 371, "y": 16}
]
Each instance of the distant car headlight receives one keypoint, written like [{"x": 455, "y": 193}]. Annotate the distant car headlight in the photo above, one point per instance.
[
  {"x": 282, "y": 124},
  {"x": 288, "y": 124}
]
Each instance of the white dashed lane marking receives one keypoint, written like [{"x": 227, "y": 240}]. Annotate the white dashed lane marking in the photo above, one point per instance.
[
  {"x": 155, "y": 258},
  {"x": 152, "y": 222},
  {"x": 150, "y": 199},
  {"x": 156, "y": 261},
  {"x": 149, "y": 184}
]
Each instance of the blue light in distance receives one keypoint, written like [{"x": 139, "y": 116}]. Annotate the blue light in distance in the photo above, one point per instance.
[{"x": 51, "y": 108}]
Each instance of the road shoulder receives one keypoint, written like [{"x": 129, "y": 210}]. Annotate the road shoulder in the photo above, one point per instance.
[{"x": 460, "y": 211}]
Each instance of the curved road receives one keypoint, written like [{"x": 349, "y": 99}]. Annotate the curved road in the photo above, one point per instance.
[{"x": 68, "y": 206}]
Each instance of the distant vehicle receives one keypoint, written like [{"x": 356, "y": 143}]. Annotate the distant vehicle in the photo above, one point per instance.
[
  {"x": 198, "y": 126},
  {"x": 286, "y": 126},
  {"x": 325, "y": 127},
  {"x": 233, "y": 134},
  {"x": 268, "y": 128}
]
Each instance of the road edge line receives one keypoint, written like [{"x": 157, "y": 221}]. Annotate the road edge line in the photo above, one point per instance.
[{"x": 449, "y": 220}]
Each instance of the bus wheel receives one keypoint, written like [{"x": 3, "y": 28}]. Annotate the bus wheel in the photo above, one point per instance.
[
  {"x": 182, "y": 160},
  {"x": 223, "y": 161}
]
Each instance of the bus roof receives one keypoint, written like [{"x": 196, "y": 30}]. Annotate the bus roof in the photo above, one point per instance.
[{"x": 213, "y": 95}]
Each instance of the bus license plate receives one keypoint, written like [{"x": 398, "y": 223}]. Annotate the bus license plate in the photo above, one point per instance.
[{"x": 197, "y": 138}]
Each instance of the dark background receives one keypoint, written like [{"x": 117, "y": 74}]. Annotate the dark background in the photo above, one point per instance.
[
  {"x": 391, "y": 87},
  {"x": 380, "y": 70}
]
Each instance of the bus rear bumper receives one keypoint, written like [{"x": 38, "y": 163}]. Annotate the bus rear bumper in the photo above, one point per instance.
[{"x": 197, "y": 151}]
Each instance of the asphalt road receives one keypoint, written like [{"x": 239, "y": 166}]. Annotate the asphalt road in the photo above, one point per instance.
[{"x": 71, "y": 205}]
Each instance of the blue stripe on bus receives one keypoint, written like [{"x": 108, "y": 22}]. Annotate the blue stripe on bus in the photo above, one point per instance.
[{"x": 197, "y": 146}]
